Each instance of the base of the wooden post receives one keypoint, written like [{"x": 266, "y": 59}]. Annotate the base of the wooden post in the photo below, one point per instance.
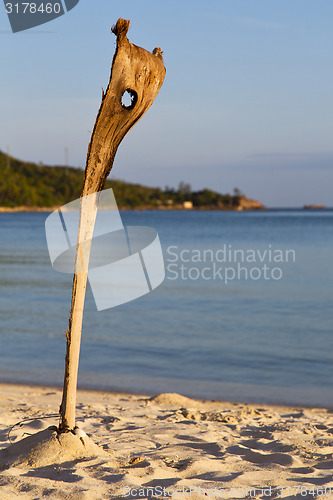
[{"x": 49, "y": 447}]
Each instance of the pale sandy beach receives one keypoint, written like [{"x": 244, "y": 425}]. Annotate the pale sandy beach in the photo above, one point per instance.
[{"x": 168, "y": 446}]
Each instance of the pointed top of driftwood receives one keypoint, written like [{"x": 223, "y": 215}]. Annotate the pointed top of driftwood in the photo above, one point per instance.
[{"x": 121, "y": 27}]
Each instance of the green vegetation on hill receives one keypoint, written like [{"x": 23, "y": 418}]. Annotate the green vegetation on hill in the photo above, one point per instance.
[{"x": 27, "y": 184}]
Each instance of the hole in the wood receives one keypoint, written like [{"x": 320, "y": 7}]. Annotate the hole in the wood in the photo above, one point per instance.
[{"x": 129, "y": 98}]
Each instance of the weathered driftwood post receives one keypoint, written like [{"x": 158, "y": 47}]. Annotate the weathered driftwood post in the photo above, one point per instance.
[{"x": 137, "y": 74}]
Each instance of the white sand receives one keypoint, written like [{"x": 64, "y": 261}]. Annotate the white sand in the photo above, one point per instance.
[{"x": 201, "y": 449}]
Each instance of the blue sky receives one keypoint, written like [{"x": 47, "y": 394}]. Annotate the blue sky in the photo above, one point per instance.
[{"x": 247, "y": 100}]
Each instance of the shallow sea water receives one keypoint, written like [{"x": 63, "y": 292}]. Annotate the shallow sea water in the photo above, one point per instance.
[{"x": 248, "y": 333}]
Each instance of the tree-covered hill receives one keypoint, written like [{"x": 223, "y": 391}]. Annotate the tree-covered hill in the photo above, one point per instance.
[{"x": 27, "y": 184}]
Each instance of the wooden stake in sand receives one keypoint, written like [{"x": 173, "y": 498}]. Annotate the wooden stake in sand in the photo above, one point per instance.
[{"x": 136, "y": 77}]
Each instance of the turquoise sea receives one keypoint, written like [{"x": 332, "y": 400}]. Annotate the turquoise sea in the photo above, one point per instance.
[{"x": 245, "y": 312}]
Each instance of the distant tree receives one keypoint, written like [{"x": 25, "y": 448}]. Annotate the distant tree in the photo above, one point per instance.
[{"x": 185, "y": 188}]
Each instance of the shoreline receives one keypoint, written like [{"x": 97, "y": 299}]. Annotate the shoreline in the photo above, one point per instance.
[
  {"x": 26, "y": 209},
  {"x": 143, "y": 208},
  {"x": 233, "y": 393},
  {"x": 140, "y": 394},
  {"x": 94, "y": 389},
  {"x": 167, "y": 441}
]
